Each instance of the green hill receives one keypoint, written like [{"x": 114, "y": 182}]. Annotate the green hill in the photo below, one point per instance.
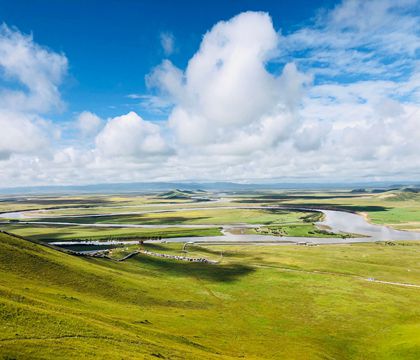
[
  {"x": 55, "y": 305},
  {"x": 177, "y": 194},
  {"x": 261, "y": 302}
]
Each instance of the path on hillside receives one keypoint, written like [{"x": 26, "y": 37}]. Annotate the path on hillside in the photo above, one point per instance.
[{"x": 322, "y": 272}]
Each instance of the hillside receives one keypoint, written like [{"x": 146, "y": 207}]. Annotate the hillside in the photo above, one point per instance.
[
  {"x": 260, "y": 303},
  {"x": 53, "y": 303},
  {"x": 177, "y": 194}
]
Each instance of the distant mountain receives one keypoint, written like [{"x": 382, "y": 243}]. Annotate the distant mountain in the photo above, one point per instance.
[
  {"x": 143, "y": 187},
  {"x": 177, "y": 194},
  {"x": 411, "y": 190},
  {"x": 358, "y": 191}
]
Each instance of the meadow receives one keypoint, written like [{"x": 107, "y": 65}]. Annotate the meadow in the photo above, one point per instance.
[
  {"x": 154, "y": 209},
  {"x": 217, "y": 216},
  {"x": 259, "y": 302},
  {"x": 49, "y": 233},
  {"x": 396, "y": 208},
  {"x": 349, "y": 301}
]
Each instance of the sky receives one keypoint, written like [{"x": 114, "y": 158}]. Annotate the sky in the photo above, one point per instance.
[{"x": 244, "y": 91}]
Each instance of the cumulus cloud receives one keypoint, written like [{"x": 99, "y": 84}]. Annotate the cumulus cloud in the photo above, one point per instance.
[
  {"x": 39, "y": 71},
  {"x": 30, "y": 77},
  {"x": 336, "y": 99},
  {"x": 88, "y": 123},
  {"x": 311, "y": 136},
  {"x": 20, "y": 134},
  {"x": 226, "y": 99},
  {"x": 352, "y": 121},
  {"x": 167, "y": 79},
  {"x": 130, "y": 136}
]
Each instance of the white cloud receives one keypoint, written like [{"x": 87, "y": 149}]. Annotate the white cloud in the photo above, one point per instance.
[
  {"x": 30, "y": 77},
  {"x": 130, "y": 136},
  {"x": 374, "y": 38},
  {"x": 167, "y": 40},
  {"x": 37, "y": 69},
  {"x": 20, "y": 134},
  {"x": 135, "y": 96},
  {"x": 336, "y": 100},
  {"x": 311, "y": 136},
  {"x": 88, "y": 123},
  {"x": 226, "y": 99},
  {"x": 168, "y": 79}
]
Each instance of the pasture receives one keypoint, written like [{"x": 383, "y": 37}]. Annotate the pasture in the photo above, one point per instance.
[
  {"x": 259, "y": 302},
  {"x": 349, "y": 301}
]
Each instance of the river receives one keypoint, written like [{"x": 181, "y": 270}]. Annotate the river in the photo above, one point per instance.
[{"x": 336, "y": 221}]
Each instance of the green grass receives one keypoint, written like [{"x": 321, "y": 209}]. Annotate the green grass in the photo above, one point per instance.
[
  {"x": 261, "y": 302},
  {"x": 50, "y": 233},
  {"x": 395, "y": 208},
  {"x": 89, "y": 202},
  {"x": 299, "y": 230},
  {"x": 396, "y": 215},
  {"x": 218, "y": 216}
]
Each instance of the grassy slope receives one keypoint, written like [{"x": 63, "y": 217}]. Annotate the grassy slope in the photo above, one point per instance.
[{"x": 53, "y": 304}]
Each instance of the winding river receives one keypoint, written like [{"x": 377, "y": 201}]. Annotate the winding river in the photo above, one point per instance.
[{"x": 334, "y": 220}]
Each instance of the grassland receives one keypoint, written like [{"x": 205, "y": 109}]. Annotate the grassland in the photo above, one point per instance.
[
  {"x": 299, "y": 230},
  {"x": 218, "y": 216},
  {"x": 260, "y": 302},
  {"x": 50, "y": 233},
  {"x": 87, "y": 203},
  {"x": 398, "y": 209},
  {"x": 282, "y": 222}
]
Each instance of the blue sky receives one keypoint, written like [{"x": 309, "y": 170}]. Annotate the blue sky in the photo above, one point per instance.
[
  {"x": 250, "y": 91},
  {"x": 112, "y": 45}
]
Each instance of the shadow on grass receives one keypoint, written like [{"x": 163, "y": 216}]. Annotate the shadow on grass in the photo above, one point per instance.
[
  {"x": 206, "y": 250},
  {"x": 90, "y": 247},
  {"x": 172, "y": 220},
  {"x": 304, "y": 207},
  {"x": 283, "y": 211},
  {"x": 69, "y": 202},
  {"x": 159, "y": 247},
  {"x": 345, "y": 207},
  {"x": 257, "y": 201},
  {"x": 221, "y": 273},
  {"x": 280, "y": 197},
  {"x": 371, "y": 208},
  {"x": 44, "y": 238},
  {"x": 123, "y": 219},
  {"x": 51, "y": 237}
]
